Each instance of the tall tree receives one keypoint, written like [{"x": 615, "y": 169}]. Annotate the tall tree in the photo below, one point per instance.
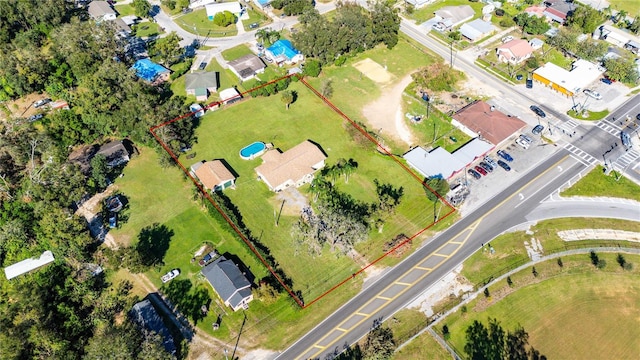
[
  {"x": 379, "y": 344},
  {"x": 142, "y": 8},
  {"x": 168, "y": 48},
  {"x": 437, "y": 185},
  {"x": 287, "y": 98},
  {"x": 586, "y": 17}
]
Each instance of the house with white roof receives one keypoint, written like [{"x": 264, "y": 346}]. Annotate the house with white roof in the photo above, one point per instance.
[{"x": 233, "y": 7}]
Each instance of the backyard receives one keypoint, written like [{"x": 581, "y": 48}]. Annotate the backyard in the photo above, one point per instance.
[{"x": 197, "y": 22}]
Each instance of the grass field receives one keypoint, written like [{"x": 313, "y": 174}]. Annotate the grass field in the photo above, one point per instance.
[
  {"x": 596, "y": 183},
  {"x": 236, "y": 52},
  {"x": 223, "y": 133},
  {"x": 198, "y": 23},
  {"x": 146, "y": 29},
  {"x": 510, "y": 251},
  {"x": 631, "y": 6},
  {"x": 573, "y": 312},
  {"x": 592, "y": 115},
  {"x": 422, "y": 347},
  {"x": 124, "y": 10},
  {"x": 425, "y": 13}
]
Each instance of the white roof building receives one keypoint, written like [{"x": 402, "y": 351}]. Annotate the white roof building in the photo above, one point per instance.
[
  {"x": 27, "y": 265},
  {"x": 476, "y": 29},
  {"x": 230, "y": 95},
  {"x": 567, "y": 82},
  {"x": 233, "y": 7}
]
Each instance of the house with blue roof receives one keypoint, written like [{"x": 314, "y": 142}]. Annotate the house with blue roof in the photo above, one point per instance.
[
  {"x": 149, "y": 71},
  {"x": 283, "y": 52}
]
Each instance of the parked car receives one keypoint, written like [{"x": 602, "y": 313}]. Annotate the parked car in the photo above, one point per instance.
[
  {"x": 439, "y": 27},
  {"x": 529, "y": 83},
  {"x": 626, "y": 139},
  {"x": 538, "y": 111},
  {"x": 486, "y": 166},
  {"x": 507, "y": 38},
  {"x": 489, "y": 160},
  {"x": 170, "y": 275},
  {"x": 505, "y": 155},
  {"x": 113, "y": 220},
  {"x": 474, "y": 173},
  {"x": 638, "y": 116},
  {"x": 480, "y": 170},
  {"x": 202, "y": 65},
  {"x": 253, "y": 26},
  {"x": 526, "y": 138},
  {"x": 504, "y": 165},
  {"x": 35, "y": 117},
  {"x": 524, "y": 144},
  {"x": 537, "y": 130},
  {"x": 186, "y": 10},
  {"x": 606, "y": 81},
  {"x": 41, "y": 103},
  {"x": 594, "y": 94}
]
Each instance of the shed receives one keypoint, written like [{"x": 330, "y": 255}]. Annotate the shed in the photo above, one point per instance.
[
  {"x": 201, "y": 83},
  {"x": 230, "y": 95},
  {"x": 145, "y": 315},
  {"x": 247, "y": 67},
  {"x": 214, "y": 175},
  {"x": 27, "y": 265},
  {"x": 229, "y": 283},
  {"x": 477, "y": 29},
  {"x": 536, "y": 43}
]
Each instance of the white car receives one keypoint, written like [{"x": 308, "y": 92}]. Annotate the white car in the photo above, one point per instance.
[
  {"x": 170, "y": 275},
  {"x": 507, "y": 39},
  {"x": 523, "y": 143},
  {"x": 594, "y": 94}
]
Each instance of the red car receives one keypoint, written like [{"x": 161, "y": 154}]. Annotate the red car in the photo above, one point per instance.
[{"x": 481, "y": 170}]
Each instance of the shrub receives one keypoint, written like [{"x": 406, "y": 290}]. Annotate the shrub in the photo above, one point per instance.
[
  {"x": 312, "y": 67},
  {"x": 224, "y": 19},
  {"x": 499, "y": 12},
  {"x": 486, "y": 292},
  {"x": 181, "y": 68}
]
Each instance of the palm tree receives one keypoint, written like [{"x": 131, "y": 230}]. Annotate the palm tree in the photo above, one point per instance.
[{"x": 262, "y": 35}]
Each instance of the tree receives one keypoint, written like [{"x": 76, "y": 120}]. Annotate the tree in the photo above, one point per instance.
[
  {"x": 385, "y": 23},
  {"x": 531, "y": 24},
  {"x": 287, "y": 98},
  {"x": 437, "y": 77},
  {"x": 516, "y": 344},
  {"x": 621, "y": 69},
  {"x": 560, "y": 263},
  {"x": 379, "y": 344},
  {"x": 486, "y": 292},
  {"x": 586, "y": 18},
  {"x": 388, "y": 196},
  {"x": 142, "y": 8},
  {"x": 100, "y": 171},
  {"x": 534, "y": 271},
  {"x": 509, "y": 281},
  {"x": 477, "y": 337},
  {"x": 224, "y": 18},
  {"x": 435, "y": 185},
  {"x": 312, "y": 67},
  {"x": 168, "y": 48},
  {"x": 326, "y": 89}
]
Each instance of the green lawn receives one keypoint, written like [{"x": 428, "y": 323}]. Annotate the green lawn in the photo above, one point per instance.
[
  {"x": 554, "y": 56},
  {"x": 425, "y": 13},
  {"x": 146, "y": 29},
  {"x": 510, "y": 252},
  {"x": 236, "y": 52},
  {"x": 592, "y": 115},
  {"x": 307, "y": 118},
  {"x": 198, "y": 23},
  {"x": 574, "y": 312},
  {"x": 124, "y": 10},
  {"x": 631, "y": 6},
  {"x": 596, "y": 183},
  {"x": 255, "y": 16}
]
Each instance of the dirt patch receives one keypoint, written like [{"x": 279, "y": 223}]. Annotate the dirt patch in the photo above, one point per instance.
[
  {"x": 22, "y": 107},
  {"x": 90, "y": 211},
  {"x": 294, "y": 202},
  {"x": 384, "y": 115},
  {"x": 374, "y": 71},
  {"x": 453, "y": 284}
]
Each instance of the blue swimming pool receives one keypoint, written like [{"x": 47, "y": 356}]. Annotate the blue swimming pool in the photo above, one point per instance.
[
  {"x": 251, "y": 151},
  {"x": 263, "y": 2}
]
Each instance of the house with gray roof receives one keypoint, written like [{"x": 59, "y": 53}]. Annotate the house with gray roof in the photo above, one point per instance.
[
  {"x": 247, "y": 67},
  {"x": 144, "y": 314},
  {"x": 229, "y": 283},
  {"x": 116, "y": 153},
  {"x": 101, "y": 10},
  {"x": 477, "y": 29},
  {"x": 454, "y": 15},
  {"x": 201, "y": 83}
]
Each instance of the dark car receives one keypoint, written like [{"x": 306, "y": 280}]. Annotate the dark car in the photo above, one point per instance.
[
  {"x": 486, "y": 166},
  {"x": 480, "y": 170},
  {"x": 504, "y": 165},
  {"x": 638, "y": 116},
  {"x": 606, "y": 81},
  {"x": 529, "y": 84},
  {"x": 505, "y": 155},
  {"x": 253, "y": 26},
  {"x": 202, "y": 65},
  {"x": 537, "y": 130},
  {"x": 35, "y": 117},
  {"x": 474, "y": 173},
  {"x": 538, "y": 111},
  {"x": 186, "y": 10}
]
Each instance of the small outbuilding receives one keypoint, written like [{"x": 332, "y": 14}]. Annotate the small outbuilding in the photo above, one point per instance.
[
  {"x": 247, "y": 67},
  {"x": 145, "y": 315},
  {"x": 214, "y": 175},
  {"x": 230, "y": 95},
  {"x": 201, "y": 84},
  {"x": 231, "y": 285},
  {"x": 27, "y": 265}
]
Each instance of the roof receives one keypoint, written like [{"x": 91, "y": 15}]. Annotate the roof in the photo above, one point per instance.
[
  {"x": 619, "y": 35},
  {"x": 226, "y": 279},
  {"x": 115, "y": 152},
  {"x": 247, "y": 65},
  {"x": 483, "y": 119},
  {"x": 229, "y": 94},
  {"x": 582, "y": 74},
  {"x": 293, "y": 164},
  {"x": 122, "y": 25},
  {"x": 518, "y": 47},
  {"x": 474, "y": 149},
  {"x": 283, "y": 47},
  {"x": 555, "y": 15},
  {"x": 148, "y": 70},
  {"x": 233, "y": 7},
  {"x": 476, "y": 29},
  {"x": 212, "y": 173},
  {"x": 145, "y": 315},
  {"x": 435, "y": 163},
  {"x": 536, "y": 43},
  {"x": 27, "y": 265},
  {"x": 535, "y": 10},
  {"x": 561, "y": 8},
  {"x": 457, "y": 14},
  {"x": 98, "y": 9},
  {"x": 201, "y": 80}
]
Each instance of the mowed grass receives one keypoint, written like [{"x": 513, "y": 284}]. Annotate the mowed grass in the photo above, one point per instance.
[
  {"x": 422, "y": 347},
  {"x": 425, "y": 13},
  {"x": 224, "y": 132},
  {"x": 197, "y": 22},
  {"x": 510, "y": 250},
  {"x": 574, "y": 312},
  {"x": 631, "y": 6},
  {"x": 236, "y": 52},
  {"x": 596, "y": 183}
]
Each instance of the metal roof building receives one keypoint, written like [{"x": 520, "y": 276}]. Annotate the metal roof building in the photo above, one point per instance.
[{"x": 27, "y": 265}]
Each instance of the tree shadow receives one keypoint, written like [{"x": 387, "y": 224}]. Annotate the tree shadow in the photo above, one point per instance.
[
  {"x": 153, "y": 243},
  {"x": 189, "y": 301}
]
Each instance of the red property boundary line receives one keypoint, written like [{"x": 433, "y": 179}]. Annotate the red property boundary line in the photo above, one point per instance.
[{"x": 247, "y": 241}]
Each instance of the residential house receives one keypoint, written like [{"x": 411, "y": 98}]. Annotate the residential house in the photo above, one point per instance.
[
  {"x": 24, "y": 266},
  {"x": 452, "y": 16},
  {"x": 116, "y": 153},
  {"x": 230, "y": 95},
  {"x": 201, "y": 84},
  {"x": 480, "y": 119},
  {"x": 417, "y": 4},
  {"x": 214, "y": 175},
  {"x": 149, "y": 71},
  {"x": 144, "y": 314},
  {"x": 231, "y": 285},
  {"x": 122, "y": 28},
  {"x": 617, "y": 37},
  {"x": 283, "y": 52},
  {"x": 262, "y": 4},
  {"x": 536, "y": 44},
  {"x": 233, "y": 7},
  {"x": 477, "y": 29},
  {"x": 293, "y": 167},
  {"x": 558, "y": 10},
  {"x": 535, "y": 10},
  {"x": 568, "y": 83},
  {"x": 101, "y": 10},
  {"x": 514, "y": 51},
  {"x": 247, "y": 67}
]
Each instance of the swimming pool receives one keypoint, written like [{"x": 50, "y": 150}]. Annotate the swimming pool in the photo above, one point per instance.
[
  {"x": 251, "y": 151},
  {"x": 263, "y": 2}
]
